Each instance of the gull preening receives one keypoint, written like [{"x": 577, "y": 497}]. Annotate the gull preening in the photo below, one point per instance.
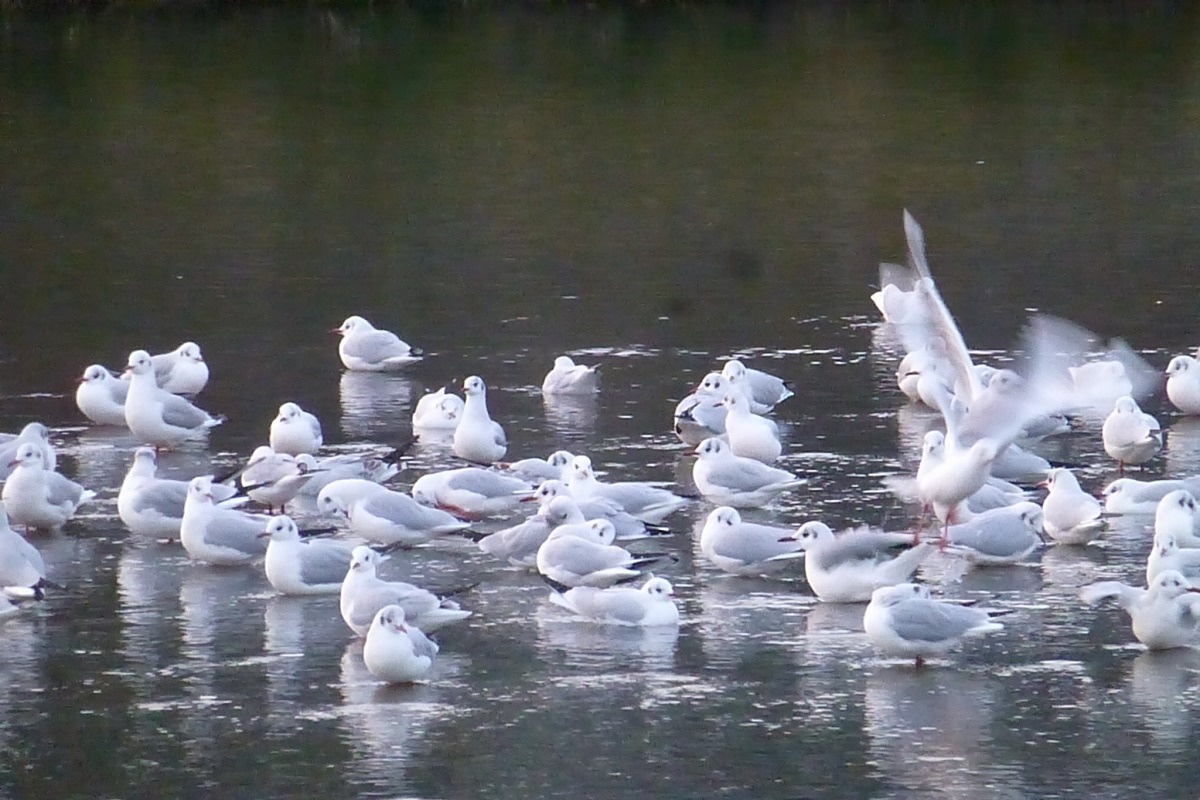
[
  {"x": 156, "y": 416},
  {"x": 101, "y": 396},
  {"x": 848, "y": 568},
  {"x": 182, "y": 370},
  {"x": 438, "y": 411},
  {"x": 478, "y": 438},
  {"x": 1070, "y": 515},
  {"x": 365, "y": 348},
  {"x": 1176, "y": 515},
  {"x": 569, "y": 378},
  {"x": 903, "y": 620},
  {"x": 295, "y": 431},
  {"x": 1131, "y": 436}
]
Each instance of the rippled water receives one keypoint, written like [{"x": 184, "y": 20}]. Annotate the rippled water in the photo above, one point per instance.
[{"x": 653, "y": 190}]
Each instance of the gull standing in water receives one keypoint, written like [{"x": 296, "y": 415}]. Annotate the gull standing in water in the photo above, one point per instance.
[
  {"x": 365, "y": 348},
  {"x": 1071, "y": 515},
  {"x": 903, "y": 620},
  {"x": 478, "y": 438},
  {"x": 154, "y": 415},
  {"x": 152, "y": 506},
  {"x": 396, "y": 651},
  {"x": 628, "y": 526},
  {"x": 363, "y": 594},
  {"x": 101, "y": 396},
  {"x": 747, "y": 548},
  {"x": 295, "y": 431},
  {"x": 300, "y": 567},
  {"x": 1164, "y": 616},
  {"x": 219, "y": 536},
  {"x": 39, "y": 498},
  {"x": 1130, "y": 436},
  {"x": 567, "y": 377},
  {"x": 21, "y": 565},
  {"x": 732, "y": 480}
]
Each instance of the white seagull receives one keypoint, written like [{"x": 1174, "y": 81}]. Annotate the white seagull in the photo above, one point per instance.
[
  {"x": 1071, "y": 515},
  {"x": 181, "y": 371},
  {"x": 1000, "y": 536},
  {"x": 1183, "y": 384},
  {"x": 628, "y": 527},
  {"x": 567, "y": 377},
  {"x": 365, "y": 348},
  {"x": 750, "y": 435},
  {"x": 152, "y": 506},
  {"x": 747, "y": 548},
  {"x": 702, "y": 414},
  {"x": 39, "y": 498},
  {"x": 1166, "y": 554},
  {"x": 21, "y": 565},
  {"x": 154, "y": 415},
  {"x": 1164, "y": 616},
  {"x": 271, "y": 478},
  {"x": 583, "y": 554},
  {"x": 380, "y": 515},
  {"x": 1176, "y": 514},
  {"x": 101, "y": 396},
  {"x": 518, "y": 544},
  {"x": 295, "y": 431},
  {"x": 651, "y": 504},
  {"x": 1130, "y": 436},
  {"x": 764, "y": 390},
  {"x": 302, "y": 566},
  {"x": 397, "y": 651},
  {"x": 848, "y": 568},
  {"x": 1131, "y": 496},
  {"x": 438, "y": 411},
  {"x": 338, "y": 467},
  {"x": 470, "y": 491},
  {"x": 729, "y": 479},
  {"x": 478, "y": 438},
  {"x": 219, "y": 536},
  {"x": 363, "y": 593},
  {"x": 649, "y": 606},
  {"x": 903, "y": 620}
]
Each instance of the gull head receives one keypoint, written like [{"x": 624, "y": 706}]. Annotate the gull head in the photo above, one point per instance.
[
  {"x": 281, "y": 529},
  {"x": 659, "y": 588},
  {"x": 894, "y": 595},
  {"x": 1126, "y": 405},
  {"x": 363, "y": 559},
  {"x": 714, "y": 383},
  {"x": 391, "y": 618},
  {"x": 1060, "y": 478},
  {"x": 813, "y": 533},
  {"x": 288, "y": 412},
  {"x": 933, "y": 444},
  {"x": 736, "y": 400},
  {"x": 726, "y": 516},
  {"x": 560, "y": 458},
  {"x": 145, "y": 454},
  {"x": 354, "y": 324},
  {"x": 190, "y": 351},
  {"x": 200, "y": 489},
  {"x": 28, "y": 455},
  {"x": 1031, "y": 516},
  {"x": 330, "y": 504},
  {"x": 603, "y": 531},
  {"x": 1171, "y": 584},
  {"x": 548, "y": 490},
  {"x": 1179, "y": 365},
  {"x": 1176, "y": 509},
  {"x": 560, "y": 510},
  {"x": 712, "y": 447},
  {"x": 581, "y": 468},
  {"x": 95, "y": 373},
  {"x": 474, "y": 386},
  {"x": 564, "y": 362},
  {"x": 139, "y": 363},
  {"x": 734, "y": 370}
]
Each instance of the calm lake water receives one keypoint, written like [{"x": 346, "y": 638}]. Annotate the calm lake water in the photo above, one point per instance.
[{"x": 650, "y": 189}]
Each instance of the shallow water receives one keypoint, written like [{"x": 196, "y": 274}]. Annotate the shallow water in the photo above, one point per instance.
[{"x": 652, "y": 190}]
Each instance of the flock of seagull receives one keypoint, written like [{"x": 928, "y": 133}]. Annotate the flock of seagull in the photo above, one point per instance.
[{"x": 974, "y": 477}]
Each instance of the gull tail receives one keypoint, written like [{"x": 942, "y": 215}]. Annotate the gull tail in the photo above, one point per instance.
[{"x": 559, "y": 588}]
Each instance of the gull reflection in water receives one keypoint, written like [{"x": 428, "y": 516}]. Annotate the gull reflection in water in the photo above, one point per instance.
[
  {"x": 743, "y": 616},
  {"x": 1162, "y": 686},
  {"x": 149, "y": 576},
  {"x": 928, "y": 731},
  {"x": 595, "y": 645},
  {"x": 375, "y": 405},
  {"x": 1182, "y": 447},
  {"x": 572, "y": 417}
]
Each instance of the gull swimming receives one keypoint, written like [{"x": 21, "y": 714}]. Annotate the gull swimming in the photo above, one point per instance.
[
  {"x": 298, "y": 566},
  {"x": 651, "y": 605},
  {"x": 101, "y": 396},
  {"x": 182, "y": 370},
  {"x": 903, "y": 620},
  {"x": 567, "y": 377},
  {"x": 154, "y": 415},
  {"x": 1183, "y": 384},
  {"x": 39, "y": 498},
  {"x": 1070, "y": 515},
  {"x": 152, "y": 506},
  {"x": 762, "y": 389},
  {"x": 219, "y": 536},
  {"x": 747, "y": 548},
  {"x": 848, "y": 568},
  {"x": 1165, "y": 616},
  {"x": 650, "y": 504},
  {"x": 469, "y": 491},
  {"x": 396, "y": 651},
  {"x": 364, "y": 593},
  {"x": 365, "y": 348},
  {"x": 295, "y": 431},
  {"x": 750, "y": 435},
  {"x": 731, "y": 480},
  {"x": 478, "y": 438}
]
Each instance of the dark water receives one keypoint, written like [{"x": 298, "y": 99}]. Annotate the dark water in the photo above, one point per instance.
[{"x": 653, "y": 189}]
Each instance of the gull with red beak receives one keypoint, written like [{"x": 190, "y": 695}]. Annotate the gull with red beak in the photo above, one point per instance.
[
  {"x": 154, "y": 415},
  {"x": 365, "y": 348},
  {"x": 395, "y": 651},
  {"x": 220, "y": 536}
]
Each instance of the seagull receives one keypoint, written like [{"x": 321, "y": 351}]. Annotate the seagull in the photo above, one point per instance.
[
  {"x": 342, "y": 466},
  {"x": 156, "y": 416},
  {"x": 848, "y": 568},
  {"x": 535, "y": 470},
  {"x": 365, "y": 348},
  {"x": 380, "y": 515},
  {"x": 747, "y": 548},
  {"x": 363, "y": 594},
  {"x": 701, "y": 414},
  {"x": 1168, "y": 555},
  {"x": 478, "y": 438},
  {"x": 397, "y": 652},
  {"x": 903, "y": 620},
  {"x": 750, "y": 435},
  {"x": 650, "y": 504},
  {"x": 584, "y": 555},
  {"x": 181, "y": 371},
  {"x": 628, "y": 527},
  {"x": 438, "y": 411},
  {"x": 470, "y": 491},
  {"x": 518, "y": 544},
  {"x": 34, "y": 433},
  {"x": 732, "y": 480},
  {"x": 1176, "y": 514},
  {"x": 101, "y": 396},
  {"x": 219, "y": 536},
  {"x": 1130, "y": 436},
  {"x": 298, "y": 566},
  {"x": 39, "y": 498},
  {"x": 1183, "y": 384},
  {"x": 954, "y": 477},
  {"x": 21, "y": 565},
  {"x": 271, "y": 478},
  {"x": 295, "y": 431},
  {"x": 1000, "y": 536},
  {"x": 152, "y": 506},
  {"x": 567, "y": 377},
  {"x": 649, "y": 606},
  {"x": 1131, "y": 496},
  {"x": 1164, "y": 616},
  {"x": 1071, "y": 515},
  {"x": 764, "y": 390}
]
